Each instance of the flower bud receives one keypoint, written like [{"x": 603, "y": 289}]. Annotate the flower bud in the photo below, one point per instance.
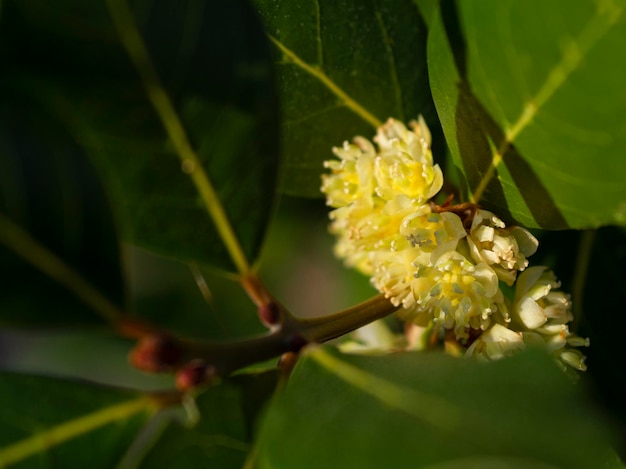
[
  {"x": 540, "y": 311},
  {"x": 157, "y": 353},
  {"x": 194, "y": 374},
  {"x": 504, "y": 249}
]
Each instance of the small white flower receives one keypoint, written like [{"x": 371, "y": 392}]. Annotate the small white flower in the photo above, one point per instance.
[
  {"x": 541, "y": 312},
  {"x": 434, "y": 233},
  {"x": 364, "y": 231},
  {"x": 404, "y": 164},
  {"x": 442, "y": 272},
  {"x": 456, "y": 294},
  {"x": 352, "y": 175},
  {"x": 495, "y": 343},
  {"x": 504, "y": 249}
]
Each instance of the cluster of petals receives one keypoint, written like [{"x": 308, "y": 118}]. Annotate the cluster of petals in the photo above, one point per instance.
[{"x": 439, "y": 269}]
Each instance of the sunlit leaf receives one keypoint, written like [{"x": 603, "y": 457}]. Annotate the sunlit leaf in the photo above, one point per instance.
[
  {"x": 420, "y": 410},
  {"x": 531, "y": 100},
  {"x": 343, "y": 67}
]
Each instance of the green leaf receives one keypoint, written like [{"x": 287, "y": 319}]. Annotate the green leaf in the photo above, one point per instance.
[
  {"x": 422, "y": 410},
  {"x": 428, "y": 9},
  {"x": 174, "y": 103},
  {"x": 51, "y": 422},
  {"x": 59, "y": 255},
  {"x": 165, "y": 293},
  {"x": 222, "y": 436},
  {"x": 530, "y": 98},
  {"x": 343, "y": 67}
]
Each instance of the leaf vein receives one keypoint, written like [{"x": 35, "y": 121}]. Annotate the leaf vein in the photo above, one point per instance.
[
  {"x": 574, "y": 52},
  {"x": 319, "y": 74},
  {"x": 431, "y": 409},
  {"x": 61, "y": 433},
  {"x": 28, "y": 248},
  {"x": 132, "y": 41}
]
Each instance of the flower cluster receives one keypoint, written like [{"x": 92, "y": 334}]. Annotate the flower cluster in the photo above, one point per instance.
[{"x": 441, "y": 265}]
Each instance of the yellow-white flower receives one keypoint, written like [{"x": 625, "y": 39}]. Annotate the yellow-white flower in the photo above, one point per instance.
[
  {"x": 542, "y": 313},
  {"x": 433, "y": 233},
  {"x": 373, "y": 190},
  {"x": 434, "y": 266},
  {"x": 539, "y": 317},
  {"x": 495, "y": 343},
  {"x": 504, "y": 249},
  {"x": 457, "y": 294},
  {"x": 404, "y": 164},
  {"x": 362, "y": 232},
  {"x": 351, "y": 176}
]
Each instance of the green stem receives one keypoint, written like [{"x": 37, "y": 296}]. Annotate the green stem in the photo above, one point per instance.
[
  {"x": 322, "y": 329},
  {"x": 24, "y": 245},
  {"x": 228, "y": 357}
]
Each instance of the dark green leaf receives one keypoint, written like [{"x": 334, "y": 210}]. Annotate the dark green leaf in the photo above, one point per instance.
[
  {"x": 343, "y": 67},
  {"x": 531, "y": 100},
  {"x": 222, "y": 436},
  {"x": 77, "y": 354},
  {"x": 212, "y": 62},
  {"x": 50, "y": 197},
  {"x": 55, "y": 423},
  {"x": 165, "y": 293},
  {"x": 421, "y": 410}
]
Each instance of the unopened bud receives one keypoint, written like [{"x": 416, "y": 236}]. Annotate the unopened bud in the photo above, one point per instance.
[
  {"x": 269, "y": 313},
  {"x": 194, "y": 374},
  {"x": 156, "y": 353}
]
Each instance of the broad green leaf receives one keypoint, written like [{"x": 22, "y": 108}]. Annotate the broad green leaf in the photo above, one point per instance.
[
  {"x": 343, "y": 68},
  {"x": 222, "y": 436},
  {"x": 428, "y": 9},
  {"x": 47, "y": 422},
  {"x": 531, "y": 100},
  {"x": 59, "y": 256},
  {"x": 174, "y": 103},
  {"x": 426, "y": 410},
  {"x": 73, "y": 354},
  {"x": 188, "y": 301}
]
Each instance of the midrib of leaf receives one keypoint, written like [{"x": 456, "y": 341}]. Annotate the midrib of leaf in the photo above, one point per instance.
[
  {"x": 607, "y": 14},
  {"x": 132, "y": 41},
  {"x": 24, "y": 245},
  {"x": 319, "y": 74},
  {"x": 58, "y": 434},
  {"x": 425, "y": 407}
]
